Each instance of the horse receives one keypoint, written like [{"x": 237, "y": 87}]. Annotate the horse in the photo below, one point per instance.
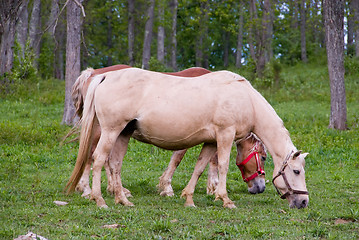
[
  {"x": 255, "y": 185},
  {"x": 176, "y": 113}
]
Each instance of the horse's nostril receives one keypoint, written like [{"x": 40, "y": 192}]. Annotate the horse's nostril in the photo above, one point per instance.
[{"x": 304, "y": 203}]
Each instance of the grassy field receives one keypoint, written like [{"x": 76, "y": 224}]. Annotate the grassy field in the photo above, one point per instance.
[{"x": 34, "y": 169}]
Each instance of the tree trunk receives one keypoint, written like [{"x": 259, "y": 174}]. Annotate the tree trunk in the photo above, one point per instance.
[
  {"x": 148, "y": 36},
  {"x": 350, "y": 17},
  {"x": 7, "y": 43},
  {"x": 35, "y": 30},
  {"x": 109, "y": 37},
  {"x": 22, "y": 27},
  {"x": 239, "y": 39},
  {"x": 161, "y": 33},
  {"x": 8, "y": 16},
  {"x": 73, "y": 43},
  {"x": 174, "y": 6},
  {"x": 131, "y": 31},
  {"x": 226, "y": 37},
  {"x": 293, "y": 5},
  {"x": 53, "y": 27},
  {"x": 355, "y": 5},
  {"x": 303, "y": 46},
  {"x": 60, "y": 48},
  {"x": 334, "y": 29},
  {"x": 261, "y": 39},
  {"x": 251, "y": 31},
  {"x": 202, "y": 35},
  {"x": 269, "y": 30}
]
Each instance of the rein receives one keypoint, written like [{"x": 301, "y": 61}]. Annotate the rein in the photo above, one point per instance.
[
  {"x": 259, "y": 171},
  {"x": 282, "y": 173}
]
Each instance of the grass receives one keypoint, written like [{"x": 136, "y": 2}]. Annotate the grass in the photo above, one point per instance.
[{"x": 34, "y": 169}]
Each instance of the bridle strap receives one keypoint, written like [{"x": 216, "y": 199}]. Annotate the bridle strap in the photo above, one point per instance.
[
  {"x": 259, "y": 171},
  {"x": 282, "y": 173}
]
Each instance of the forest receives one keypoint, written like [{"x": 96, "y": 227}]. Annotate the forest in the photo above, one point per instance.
[{"x": 215, "y": 34}]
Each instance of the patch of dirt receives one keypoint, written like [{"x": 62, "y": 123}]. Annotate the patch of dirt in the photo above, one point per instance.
[
  {"x": 113, "y": 226},
  {"x": 342, "y": 221}
]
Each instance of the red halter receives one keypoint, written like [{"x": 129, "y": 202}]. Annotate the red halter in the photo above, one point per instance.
[{"x": 259, "y": 171}]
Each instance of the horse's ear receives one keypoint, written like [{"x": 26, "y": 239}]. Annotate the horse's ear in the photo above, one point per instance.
[
  {"x": 295, "y": 155},
  {"x": 305, "y": 154}
]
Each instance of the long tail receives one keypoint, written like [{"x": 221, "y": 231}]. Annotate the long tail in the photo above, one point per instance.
[
  {"x": 78, "y": 99},
  {"x": 88, "y": 119},
  {"x": 78, "y": 90}
]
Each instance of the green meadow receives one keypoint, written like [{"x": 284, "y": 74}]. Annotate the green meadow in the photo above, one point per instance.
[{"x": 34, "y": 168}]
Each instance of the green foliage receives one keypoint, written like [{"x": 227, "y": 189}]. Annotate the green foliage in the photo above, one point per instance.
[
  {"x": 46, "y": 58},
  {"x": 157, "y": 66},
  {"x": 351, "y": 65}
]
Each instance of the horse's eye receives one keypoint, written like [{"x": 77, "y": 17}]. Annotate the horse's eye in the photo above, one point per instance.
[
  {"x": 296, "y": 172},
  {"x": 264, "y": 158}
]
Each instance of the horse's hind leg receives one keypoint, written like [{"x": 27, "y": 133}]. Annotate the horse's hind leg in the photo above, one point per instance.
[
  {"x": 102, "y": 152},
  {"x": 212, "y": 181},
  {"x": 84, "y": 183},
  {"x": 164, "y": 185},
  {"x": 115, "y": 164},
  {"x": 208, "y": 150},
  {"x": 110, "y": 181}
]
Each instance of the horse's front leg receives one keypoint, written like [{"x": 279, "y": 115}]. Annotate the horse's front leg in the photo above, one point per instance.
[
  {"x": 224, "y": 145},
  {"x": 164, "y": 185},
  {"x": 208, "y": 150},
  {"x": 102, "y": 152},
  {"x": 115, "y": 164},
  {"x": 212, "y": 181}
]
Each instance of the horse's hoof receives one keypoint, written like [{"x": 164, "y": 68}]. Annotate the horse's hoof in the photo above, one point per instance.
[
  {"x": 86, "y": 195},
  {"x": 127, "y": 192},
  {"x": 103, "y": 206},
  {"x": 125, "y": 203},
  {"x": 210, "y": 191},
  {"x": 129, "y": 204},
  {"x": 167, "y": 194},
  {"x": 229, "y": 205},
  {"x": 189, "y": 205}
]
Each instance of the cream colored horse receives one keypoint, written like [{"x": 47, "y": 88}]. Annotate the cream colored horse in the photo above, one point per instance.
[
  {"x": 176, "y": 113},
  {"x": 248, "y": 146}
]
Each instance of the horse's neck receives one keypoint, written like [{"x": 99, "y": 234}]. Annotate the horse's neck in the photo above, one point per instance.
[{"x": 270, "y": 129}]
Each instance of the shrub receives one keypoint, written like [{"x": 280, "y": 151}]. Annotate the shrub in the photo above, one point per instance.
[{"x": 351, "y": 65}]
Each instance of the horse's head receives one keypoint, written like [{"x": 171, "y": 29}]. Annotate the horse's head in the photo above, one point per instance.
[
  {"x": 251, "y": 155},
  {"x": 290, "y": 180}
]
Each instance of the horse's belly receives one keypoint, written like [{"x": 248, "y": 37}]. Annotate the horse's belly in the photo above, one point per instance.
[{"x": 172, "y": 137}]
